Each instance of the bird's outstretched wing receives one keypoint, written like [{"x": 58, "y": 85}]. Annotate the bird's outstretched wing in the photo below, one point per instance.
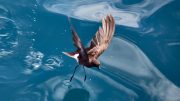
[
  {"x": 76, "y": 39},
  {"x": 102, "y": 37},
  {"x": 77, "y": 42}
]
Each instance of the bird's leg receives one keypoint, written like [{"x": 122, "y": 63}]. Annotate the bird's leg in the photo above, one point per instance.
[
  {"x": 98, "y": 68},
  {"x": 84, "y": 73},
  {"x": 74, "y": 72}
]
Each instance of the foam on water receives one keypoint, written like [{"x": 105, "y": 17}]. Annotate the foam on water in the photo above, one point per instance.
[{"x": 94, "y": 10}]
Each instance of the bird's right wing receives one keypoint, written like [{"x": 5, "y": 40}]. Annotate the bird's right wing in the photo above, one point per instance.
[{"x": 102, "y": 37}]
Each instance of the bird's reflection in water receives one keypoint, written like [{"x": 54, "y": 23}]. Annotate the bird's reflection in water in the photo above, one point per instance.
[{"x": 77, "y": 93}]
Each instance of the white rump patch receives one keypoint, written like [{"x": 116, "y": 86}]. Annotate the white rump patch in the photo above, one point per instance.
[{"x": 76, "y": 56}]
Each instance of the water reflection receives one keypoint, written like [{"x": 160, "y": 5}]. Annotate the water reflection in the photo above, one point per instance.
[
  {"x": 126, "y": 59},
  {"x": 94, "y": 10},
  {"x": 80, "y": 94}
]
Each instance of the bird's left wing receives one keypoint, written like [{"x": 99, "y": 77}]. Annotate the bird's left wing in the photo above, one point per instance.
[{"x": 77, "y": 42}]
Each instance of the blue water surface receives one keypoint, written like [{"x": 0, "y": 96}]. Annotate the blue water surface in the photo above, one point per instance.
[{"x": 142, "y": 62}]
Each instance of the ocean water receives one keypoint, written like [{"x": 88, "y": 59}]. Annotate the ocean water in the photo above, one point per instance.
[{"x": 142, "y": 62}]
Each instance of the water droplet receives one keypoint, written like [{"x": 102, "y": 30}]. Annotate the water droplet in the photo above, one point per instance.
[{"x": 34, "y": 19}]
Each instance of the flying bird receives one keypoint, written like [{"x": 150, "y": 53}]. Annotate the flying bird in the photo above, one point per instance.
[{"x": 88, "y": 56}]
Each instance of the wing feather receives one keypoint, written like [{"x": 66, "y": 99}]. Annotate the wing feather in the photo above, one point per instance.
[
  {"x": 77, "y": 42},
  {"x": 76, "y": 39},
  {"x": 102, "y": 38}
]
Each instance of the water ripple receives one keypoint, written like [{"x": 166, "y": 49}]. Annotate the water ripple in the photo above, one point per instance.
[
  {"x": 8, "y": 36},
  {"x": 36, "y": 60}
]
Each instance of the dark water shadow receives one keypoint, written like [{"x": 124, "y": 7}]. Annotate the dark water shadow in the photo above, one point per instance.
[{"x": 77, "y": 94}]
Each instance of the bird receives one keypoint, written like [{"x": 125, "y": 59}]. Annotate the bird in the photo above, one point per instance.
[{"x": 88, "y": 56}]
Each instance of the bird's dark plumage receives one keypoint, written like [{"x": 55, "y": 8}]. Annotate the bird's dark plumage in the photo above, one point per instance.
[{"x": 99, "y": 43}]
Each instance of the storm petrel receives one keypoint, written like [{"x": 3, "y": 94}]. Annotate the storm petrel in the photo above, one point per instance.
[{"x": 88, "y": 57}]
